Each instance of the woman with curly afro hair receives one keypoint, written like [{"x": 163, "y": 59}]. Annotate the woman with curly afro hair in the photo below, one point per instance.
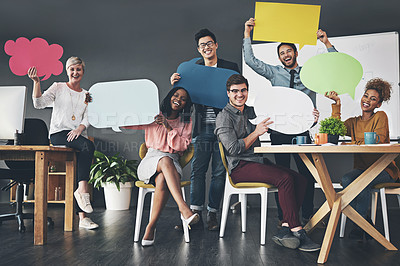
[{"x": 376, "y": 92}]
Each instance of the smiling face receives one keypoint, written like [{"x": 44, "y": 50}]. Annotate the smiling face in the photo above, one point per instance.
[
  {"x": 288, "y": 56},
  {"x": 75, "y": 73},
  {"x": 370, "y": 100},
  {"x": 238, "y": 94},
  {"x": 207, "y": 48},
  {"x": 178, "y": 100}
]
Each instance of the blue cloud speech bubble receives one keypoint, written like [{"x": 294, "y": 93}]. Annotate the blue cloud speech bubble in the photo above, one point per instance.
[{"x": 206, "y": 85}]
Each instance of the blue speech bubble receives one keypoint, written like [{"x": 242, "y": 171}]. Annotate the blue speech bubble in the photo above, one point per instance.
[{"x": 206, "y": 85}]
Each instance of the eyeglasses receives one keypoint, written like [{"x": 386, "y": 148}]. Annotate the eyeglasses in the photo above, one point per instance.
[
  {"x": 236, "y": 91},
  {"x": 209, "y": 44}
]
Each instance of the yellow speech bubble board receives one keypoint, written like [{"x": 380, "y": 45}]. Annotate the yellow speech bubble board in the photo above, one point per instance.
[{"x": 291, "y": 23}]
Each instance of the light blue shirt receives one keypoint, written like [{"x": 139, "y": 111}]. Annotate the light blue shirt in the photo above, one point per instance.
[{"x": 277, "y": 75}]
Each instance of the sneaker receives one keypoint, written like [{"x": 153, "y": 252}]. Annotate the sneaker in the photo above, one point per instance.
[
  {"x": 279, "y": 225},
  {"x": 88, "y": 223},
  {"x": 197, "y": 226},
  {"x": 285, "y": 238},
  {"x": 83, "y": 200},
  {"x": 306, "y": 244},
  {"x": 212, "y": 222}
]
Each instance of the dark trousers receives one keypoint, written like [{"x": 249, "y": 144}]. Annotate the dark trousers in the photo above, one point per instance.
[
  {"x": 291, "y": 185},
  {"x": 83, "y": 158},
  {"x": 283, "y": 159}
]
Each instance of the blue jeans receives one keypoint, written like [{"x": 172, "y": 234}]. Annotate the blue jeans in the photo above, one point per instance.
[
  {"x": 206, "y": 148},
  {"x": 363, "y": 200}
]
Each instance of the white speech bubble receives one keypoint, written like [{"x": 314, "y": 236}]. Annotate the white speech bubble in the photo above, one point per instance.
[
  {"x": 289, "y": 109},
  {"x": 123, "y": 103}
]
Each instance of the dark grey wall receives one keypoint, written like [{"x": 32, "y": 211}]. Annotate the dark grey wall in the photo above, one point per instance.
[{"x": 123, "y": 39}]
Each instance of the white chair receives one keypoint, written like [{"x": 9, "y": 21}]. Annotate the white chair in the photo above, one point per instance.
[
  {"x": 243, "y": 189},
  {"x": 148, "y": 188},
  {"x": 382, "y": 189}
]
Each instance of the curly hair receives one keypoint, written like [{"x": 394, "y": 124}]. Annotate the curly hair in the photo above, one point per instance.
[{"x": 381, "y": 86}]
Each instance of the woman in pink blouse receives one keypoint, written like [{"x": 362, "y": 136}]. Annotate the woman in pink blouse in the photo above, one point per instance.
[{"x": 166, "y": 139}]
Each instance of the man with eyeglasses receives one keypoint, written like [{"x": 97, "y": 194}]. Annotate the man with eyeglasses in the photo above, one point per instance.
[
  {"x": 204, "y": 141},
  {"x": 239, "y": 137},
  {"x": 287, "y": 75}
]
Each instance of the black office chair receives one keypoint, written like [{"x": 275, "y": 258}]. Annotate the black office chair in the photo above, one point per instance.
[{"x": 23, "y": 172}]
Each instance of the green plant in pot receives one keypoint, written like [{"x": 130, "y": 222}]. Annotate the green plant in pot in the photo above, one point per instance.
[
  {"x": 116, "y": 175},
  {"x": 334, "y": 127}
]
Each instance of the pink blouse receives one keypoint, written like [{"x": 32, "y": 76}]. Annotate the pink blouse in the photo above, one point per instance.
[{"x": 175, "y": 141}]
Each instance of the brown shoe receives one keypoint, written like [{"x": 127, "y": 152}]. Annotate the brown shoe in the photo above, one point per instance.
[{"x": 212, "y": 222}]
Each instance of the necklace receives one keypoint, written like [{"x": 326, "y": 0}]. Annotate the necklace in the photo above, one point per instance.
[{"x": 73, "y": 108}]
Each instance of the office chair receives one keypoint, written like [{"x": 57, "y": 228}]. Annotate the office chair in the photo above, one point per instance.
[{"x": 23, "y": 172}]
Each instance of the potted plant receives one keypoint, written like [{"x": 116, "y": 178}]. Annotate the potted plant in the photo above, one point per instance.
[
  {"x": 334, "y": 127},
  {"x": 116, "y": 175}
]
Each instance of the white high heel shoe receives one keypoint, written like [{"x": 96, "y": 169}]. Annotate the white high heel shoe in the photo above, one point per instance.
[
  {"x": 191, "y": 220},
  {"x": 147, "y": 243}
]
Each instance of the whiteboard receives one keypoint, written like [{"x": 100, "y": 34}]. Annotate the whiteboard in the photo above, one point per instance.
[{"x": 378, "y": 54}]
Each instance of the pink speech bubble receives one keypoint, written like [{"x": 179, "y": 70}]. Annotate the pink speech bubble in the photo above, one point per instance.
[{"x": 25, "y": 54}]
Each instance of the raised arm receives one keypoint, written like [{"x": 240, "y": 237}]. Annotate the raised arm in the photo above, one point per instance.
[
  {"x": 323, "y": 37},
  {"x": 336, "y": 105},
  {"x": 257, "y": 65},
  {"x": 32, "y": 74}
]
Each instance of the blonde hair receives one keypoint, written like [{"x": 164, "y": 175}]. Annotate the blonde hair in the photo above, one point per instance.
[{"x": 74, "y": 60}]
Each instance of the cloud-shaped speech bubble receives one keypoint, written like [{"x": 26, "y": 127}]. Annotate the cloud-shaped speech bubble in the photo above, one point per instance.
[
  {"x": 289, "y": 109},
  {"x": 272, "y": 23},
  {"x": 206, "y": 85},
  {"x": 25, "y": 54},
  {"x": 123, "y": 103},
  {"x": 332, "y": 71}
]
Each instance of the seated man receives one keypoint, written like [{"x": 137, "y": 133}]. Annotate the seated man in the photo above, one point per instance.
[{"x": 239, "y": 137}]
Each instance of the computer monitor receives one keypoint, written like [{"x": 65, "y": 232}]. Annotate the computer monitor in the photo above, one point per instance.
[{"x": 12, "y": 110}]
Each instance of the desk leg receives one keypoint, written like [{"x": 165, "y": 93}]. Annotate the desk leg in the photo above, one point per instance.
[
  {"x": 330, "y": 232},
  {"x": 40, "y": 216},
  {"x": 69, "y": 194},
  {"x": 367, "y": 227},
  {"x": 322, "y": 212}
]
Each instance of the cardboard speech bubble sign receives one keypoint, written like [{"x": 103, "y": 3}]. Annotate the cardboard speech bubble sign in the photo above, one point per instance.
[
  {"x": 272, "y": 23},
  {"x": 206, "y": 85},
  {"x": 289, "y": 109},
  {"x": 123, "y": 103},
  {"x": 25, "y": 54},
  {"x": 332, "y": 71}
]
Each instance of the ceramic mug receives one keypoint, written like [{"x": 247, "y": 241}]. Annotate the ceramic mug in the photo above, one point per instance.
[
  {"x": 371, "y": 138},
  {"x": 299, "y": 140},
  {"x": 321, "y": 138}
]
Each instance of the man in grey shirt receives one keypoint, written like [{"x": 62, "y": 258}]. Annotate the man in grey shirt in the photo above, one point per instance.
[
  {"x": 239, "y": 137},
  {"x": 287, "y": 75}
]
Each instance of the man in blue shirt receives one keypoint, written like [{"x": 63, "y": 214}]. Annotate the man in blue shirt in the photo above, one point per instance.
[{"x": 287, "y": 75}]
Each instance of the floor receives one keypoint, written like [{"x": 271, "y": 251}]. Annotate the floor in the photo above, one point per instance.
[{"x": 112, "y": 243}]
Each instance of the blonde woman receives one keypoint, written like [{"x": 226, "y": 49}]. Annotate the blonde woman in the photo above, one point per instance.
[{"x": 69, "y": 121}]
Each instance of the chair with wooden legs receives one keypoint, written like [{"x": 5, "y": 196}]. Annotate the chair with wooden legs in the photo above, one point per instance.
[
  {"x": 243, "y": 189},
  {"x": 148, "y": 188}
]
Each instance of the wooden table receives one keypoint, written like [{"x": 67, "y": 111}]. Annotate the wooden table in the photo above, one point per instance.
[
  {"x": 42, "y": 155},
  {"x": 336, "y": 203}
]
